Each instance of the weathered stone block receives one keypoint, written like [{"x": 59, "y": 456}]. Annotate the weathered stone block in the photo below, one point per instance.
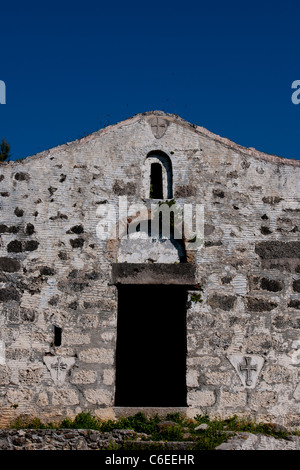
[
  {"x": 192, "y": 378},
  {"x": 121, "y": 189},
  {"x": 5, "y": 374},
  {"x": 294, "y": 303},
  {"x": 278, "y": 249},
  {"x": 31, "y": 245},
  {"x": 271, "y": 199},
  {"x": 277, "y": 374},
  {"x": 288, "y": 322},
  {"x": 260, "y": 304},
  {"x": 88, "y": 320},
  {"x": 297, "y": 393},
  {"x": 9, "y": 265},
  {"x": 47, "y": 271},
  {"x": 108, "y": 376},
  {"x": 265, "y": 230},
  {"x": 64, "y": 397},
  {"x": 15, "y": 246},
  {"x": 201, "y": 398},
  {"x": 22, "y": 395},
  {"x": 271, "y": 285},
  {"x": 8, "y": 294},
  {"x": 185, "y": 191},
  {"x": 98, "y": 397},
  {"x": 296, "y": 285},
  {"x": 19, "y": 212},
  {"x": 224, "y": 302},
  {"x": 263, "y": 399},
  {"x": 72, "y": 338},
  {"x": 233, "y": 400},
  {"x": 77, "y": 242},
  {"x": 218, "y": 378},
  {"x": 27, "y": 315},
  {"x": 5, "y": 229},
  {"x": 158, "y": 273},
  {"x": 84, "y": 377},
  {"x": 218, "y": 193},
  {"x": 30, "y": 376},
  {"x": 259, "y": 343},
  {"x": 98, "y": 355},
  {"x": 29, "y": 229},
  {"x": 42, "y": 400},
  {"x": 22, "y": 176},
  {"x": 76, "y": 229}
]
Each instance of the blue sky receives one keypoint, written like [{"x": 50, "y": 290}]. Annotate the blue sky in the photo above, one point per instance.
[{"x": 71, "y": 68}]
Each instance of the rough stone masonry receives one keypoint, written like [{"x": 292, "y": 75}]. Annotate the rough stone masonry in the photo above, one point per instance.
[{"x": 60, "y": 280}]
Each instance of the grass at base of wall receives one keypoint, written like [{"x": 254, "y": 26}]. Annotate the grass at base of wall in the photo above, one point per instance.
[{"x": 172, "y": 428}]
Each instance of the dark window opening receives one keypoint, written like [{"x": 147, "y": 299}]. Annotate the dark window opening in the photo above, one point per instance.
[
  {"x": 156, "y": 181},
  {"x": 57, "y": 336},
  {"x": 151, "y": 346}
]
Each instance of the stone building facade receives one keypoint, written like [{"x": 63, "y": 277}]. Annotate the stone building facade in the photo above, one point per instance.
[{"x": 95, "y": 318}]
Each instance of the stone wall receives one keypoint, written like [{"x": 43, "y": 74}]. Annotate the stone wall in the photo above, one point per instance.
[
  {"x": 66, "y": 439},
  {"x": 82, "y": 439},
  {"x": 57, "y": 272}
]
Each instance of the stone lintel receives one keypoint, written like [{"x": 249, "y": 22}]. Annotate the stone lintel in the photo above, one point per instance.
[{"x": 182, "y": 274}]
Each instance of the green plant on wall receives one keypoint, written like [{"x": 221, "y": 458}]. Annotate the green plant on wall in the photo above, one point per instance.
[
  {"x": 196, "y": 298},
  {"x": 197, "y": 242},
  {"x": 169, "y": 203},
  {"x": 158, "y": 430}
]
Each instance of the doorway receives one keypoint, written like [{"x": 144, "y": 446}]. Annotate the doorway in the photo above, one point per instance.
[{"x": 151, "y": 346}]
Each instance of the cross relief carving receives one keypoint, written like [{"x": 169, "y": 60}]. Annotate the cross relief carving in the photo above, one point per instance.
[
  {"x": 248, "y": 368},
  {"x": 158, "y": 126},
  {"x": 58, "y": 367}
]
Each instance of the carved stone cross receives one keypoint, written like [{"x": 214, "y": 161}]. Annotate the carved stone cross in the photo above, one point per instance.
[
  {"x": 158, "y": 127},
  {"x": 247, "y": 367},
  {"x": 58, "y": 367}
]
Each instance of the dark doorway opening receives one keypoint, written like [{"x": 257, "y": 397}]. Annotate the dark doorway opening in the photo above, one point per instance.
[{"x": 151, "y": 346}]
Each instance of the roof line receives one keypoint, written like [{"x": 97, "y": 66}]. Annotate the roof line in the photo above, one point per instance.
[{"x": 250, "y": 151}]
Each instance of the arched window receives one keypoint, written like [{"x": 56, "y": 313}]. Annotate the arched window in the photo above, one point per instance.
[{"x": 157, "y": 176}]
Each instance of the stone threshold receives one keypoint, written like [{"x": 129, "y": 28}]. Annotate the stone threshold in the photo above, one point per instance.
[{"x": 149, "y": 412}]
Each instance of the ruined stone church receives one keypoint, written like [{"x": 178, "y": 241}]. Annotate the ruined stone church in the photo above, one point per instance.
[{"x": 99, "y": 313}]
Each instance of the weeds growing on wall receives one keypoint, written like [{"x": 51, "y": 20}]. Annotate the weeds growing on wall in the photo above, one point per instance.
[{"x": 173, "y": 427}]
